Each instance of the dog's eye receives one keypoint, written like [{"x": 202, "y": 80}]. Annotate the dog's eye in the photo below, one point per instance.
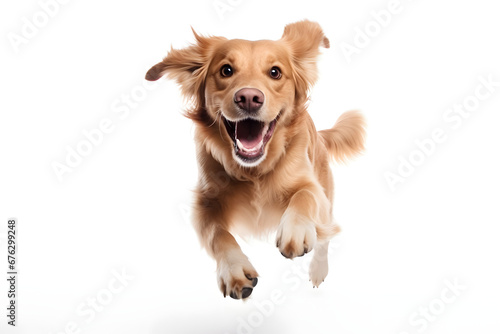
[
  {"x": 226, "y": 70},
  {"x": 275, "y": 72}
]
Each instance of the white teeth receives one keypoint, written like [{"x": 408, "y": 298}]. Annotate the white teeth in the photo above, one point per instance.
[
  {"x": 264, "y": 130},
  {"x": 251, "y": 150}
]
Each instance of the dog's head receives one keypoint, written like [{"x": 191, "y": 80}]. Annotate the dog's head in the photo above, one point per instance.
[{"x": 251, "y": 90}]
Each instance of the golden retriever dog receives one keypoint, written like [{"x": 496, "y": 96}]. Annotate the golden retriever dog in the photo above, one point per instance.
[{"x": 263, "y": 166}]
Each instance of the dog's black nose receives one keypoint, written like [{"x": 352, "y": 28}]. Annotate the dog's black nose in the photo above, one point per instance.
[{"x": 249, "y": 99}]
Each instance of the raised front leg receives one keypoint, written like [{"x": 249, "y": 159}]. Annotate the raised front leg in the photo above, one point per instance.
[
  {"x": 304, "y": 220},
  {"x": 307, "y": 223}
]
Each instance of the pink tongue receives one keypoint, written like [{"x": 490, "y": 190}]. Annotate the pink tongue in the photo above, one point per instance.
[{"x": 249, "y": 132}]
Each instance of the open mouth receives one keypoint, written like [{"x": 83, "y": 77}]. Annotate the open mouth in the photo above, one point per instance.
[{"x": 250, "y": 137}]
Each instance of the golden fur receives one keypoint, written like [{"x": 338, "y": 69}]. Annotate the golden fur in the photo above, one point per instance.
[{"x": 289, "y": 189}]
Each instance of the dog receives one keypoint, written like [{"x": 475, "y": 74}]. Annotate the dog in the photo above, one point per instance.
[{"x": 263, "y": 166}]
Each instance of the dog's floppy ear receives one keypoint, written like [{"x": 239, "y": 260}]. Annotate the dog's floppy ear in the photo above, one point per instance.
[
  {"x": 187, "y": 66},
  {"x": 304, "y": 39}
]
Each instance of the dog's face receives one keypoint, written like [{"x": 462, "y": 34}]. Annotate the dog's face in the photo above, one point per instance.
[{"x": 247, "y": 87}]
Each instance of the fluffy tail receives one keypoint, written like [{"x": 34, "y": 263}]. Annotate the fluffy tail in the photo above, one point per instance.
[{"x": 347, "y": 137}]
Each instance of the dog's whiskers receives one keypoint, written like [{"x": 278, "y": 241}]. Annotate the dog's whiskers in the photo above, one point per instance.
[
  {"x": 215, "y": 120},
  {"x": 219, "y": 114}
]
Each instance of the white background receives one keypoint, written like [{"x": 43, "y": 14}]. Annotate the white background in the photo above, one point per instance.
[{"x": 126, "y": 205}]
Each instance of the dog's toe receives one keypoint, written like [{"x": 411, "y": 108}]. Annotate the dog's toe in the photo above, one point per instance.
[
  {"x": 237, "y": 279},
  {"x": 296, "y": 236},
  {"x": 246, "y": 292},
  {"x": 255, "y": 281}
]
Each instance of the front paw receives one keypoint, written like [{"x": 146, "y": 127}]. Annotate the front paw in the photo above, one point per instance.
[
  {"x": 296, "y": 235},
  {"x": 236, "y": 276}
]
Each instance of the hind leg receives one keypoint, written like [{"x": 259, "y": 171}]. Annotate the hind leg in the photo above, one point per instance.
[{"x": 318, "y": 269}]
